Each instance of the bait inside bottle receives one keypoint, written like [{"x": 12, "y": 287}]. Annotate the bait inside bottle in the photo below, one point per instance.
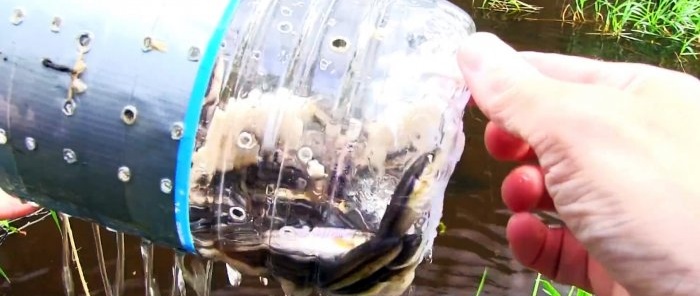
[{"x": 327, "y": 137}]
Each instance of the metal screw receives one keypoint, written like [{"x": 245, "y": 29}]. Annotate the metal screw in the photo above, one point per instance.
[
  {"x": 193, "y": 53},
  {"x": 3, "y": 137},
  {"x": 69, "y": 108},
  {"x": 177, "y": 131},
  {"x": 30, "y": 143},
  {"x": 166, "y": 186},
  {"x": 69, "y": 156},
  {"x": 124, "y": 174}
]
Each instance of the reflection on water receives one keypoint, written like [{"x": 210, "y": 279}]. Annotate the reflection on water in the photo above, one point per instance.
[{"x": 474, "y": 214}]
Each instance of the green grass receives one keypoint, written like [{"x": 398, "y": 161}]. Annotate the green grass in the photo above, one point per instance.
[
  {"x": 6, "y": 228},
  {"x": 540, "y": 284},
  {"x": 674, "y": 23},
  {"x": 508, "y": 6}
]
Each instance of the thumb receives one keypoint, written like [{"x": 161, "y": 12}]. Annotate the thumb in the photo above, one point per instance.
[{"x": 512, "y": 92}]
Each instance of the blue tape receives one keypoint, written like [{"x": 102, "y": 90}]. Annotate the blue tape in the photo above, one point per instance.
[{"x": 187, "y": 142}]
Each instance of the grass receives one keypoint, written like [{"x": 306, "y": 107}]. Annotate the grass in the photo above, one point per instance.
[
  {"x": 540, "y": 284},
  {"x": 508, "y": 6},
  {"x": 8, "y": 228},
  {"x": 664, "y": 22}
]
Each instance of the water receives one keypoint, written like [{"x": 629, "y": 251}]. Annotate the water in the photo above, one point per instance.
[{"x": 474, "y": 213}]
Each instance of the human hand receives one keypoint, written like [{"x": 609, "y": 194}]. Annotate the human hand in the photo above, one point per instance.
[
  {"x": 11, "y": 208},
  {"x": 612, "y": 148}
]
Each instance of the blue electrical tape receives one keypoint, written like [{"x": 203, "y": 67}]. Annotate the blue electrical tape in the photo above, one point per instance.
[{"x": 191, "y": 121}]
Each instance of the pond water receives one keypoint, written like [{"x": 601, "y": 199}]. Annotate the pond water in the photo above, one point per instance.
[{"x": 474, "y": 214}]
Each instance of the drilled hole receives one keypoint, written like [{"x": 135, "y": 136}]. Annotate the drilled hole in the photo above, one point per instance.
[
  {"x": 84, "y": 41},
  {"x": 56, "y": 24},
  {"x": 147, "y": 44},
  {"x": 339, "y": 44},
  {"x": 284, "y": 27},
  {"x": 237, "y": 213},
  {"x": 17, "y": 16},
  {"x": 129, "y": 114}
]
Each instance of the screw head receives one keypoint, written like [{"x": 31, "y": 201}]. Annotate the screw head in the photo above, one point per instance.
[
  {"x": 124, "y": 174},
  {"x": 3, "y": 137},
  {"x": 177, "y": 131},
  {"x": 30, "y": 143},
  {"x": 69, "y": 156},
  {"x": 68, "y": 108},
  {"x": 166, "y": 185}
]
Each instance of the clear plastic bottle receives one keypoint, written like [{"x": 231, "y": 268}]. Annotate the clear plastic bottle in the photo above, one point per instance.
[
  {"x": 329, "y": 137},
  {"x": 309, "y": 141}
]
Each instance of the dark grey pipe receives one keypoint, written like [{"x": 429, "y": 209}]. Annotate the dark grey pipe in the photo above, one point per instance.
[{"x": 104, "y": 147}]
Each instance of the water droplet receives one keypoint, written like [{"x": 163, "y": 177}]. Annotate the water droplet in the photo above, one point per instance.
[
  {"x": 3, "y": 137},
  {"x": 30, "y": 143},
  {"x": 332, "y": 22},
  {"x": 429, "y": 256},
  {"x": 166, "y": 185},
  {"x": 17, "y": 16},
  {"x": 194, "y": 53},
  {"x": 69, "y": 156},
  {"x": 246, "y": 140},
  {"x": 124, "y": 174},
  {"x": 177, "y": 131},
  {"x": 234, "y": 276}
]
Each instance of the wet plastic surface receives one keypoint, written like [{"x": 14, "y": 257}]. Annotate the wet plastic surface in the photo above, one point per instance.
[{"x": 324, "y": 160}]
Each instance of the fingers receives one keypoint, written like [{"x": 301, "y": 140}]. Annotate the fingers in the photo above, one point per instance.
[
  {"x": 585, "y": 70},
  {"x": 509, "y": 90},
  {"x": 504, "y": 146},
  {"x": 12, "y": 208},
  {"x": 619, "y": 75},
  {"x": 524, "y": 190},
  {"x": 554, "y": 252}
]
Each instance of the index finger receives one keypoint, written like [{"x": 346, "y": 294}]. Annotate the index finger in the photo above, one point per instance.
[{"x": 12, "y": 208}]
